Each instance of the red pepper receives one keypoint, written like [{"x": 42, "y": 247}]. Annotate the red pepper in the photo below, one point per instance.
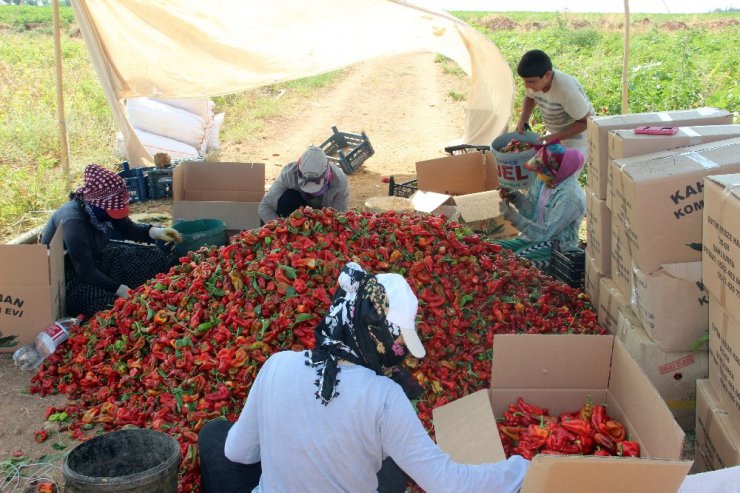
[
  {"x": 578, "y": 426},
  {"x": 605, "y": 442},
  {"x": 41, "y": 436},
  {"x": 585, "y": 412},
  {"x": 628, "y": 448},
  {"x": 614, "y": 429}
]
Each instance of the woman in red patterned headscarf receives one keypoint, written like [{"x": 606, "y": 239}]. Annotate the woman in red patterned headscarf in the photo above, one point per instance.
[{"x": 96, "y": 270}]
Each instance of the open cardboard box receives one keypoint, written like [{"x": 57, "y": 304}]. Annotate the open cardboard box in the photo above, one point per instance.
[
  {"x": 213, "y": 190},
  {"x": 32, "y": 289},
  {"x": 463, "y": 187},
  {"x": 558, "y": 372}
]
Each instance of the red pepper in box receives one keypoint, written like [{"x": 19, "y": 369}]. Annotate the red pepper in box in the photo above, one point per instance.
[
  {"x": 628, "y": 448},
  {"x": 605, "y": 442},
  {"x": 578, "y": 426}
]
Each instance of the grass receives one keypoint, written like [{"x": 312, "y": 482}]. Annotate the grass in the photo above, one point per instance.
[{"x": 676, "y": 62}]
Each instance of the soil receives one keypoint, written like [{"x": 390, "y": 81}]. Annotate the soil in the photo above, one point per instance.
[{"x": 402, "y": 103}]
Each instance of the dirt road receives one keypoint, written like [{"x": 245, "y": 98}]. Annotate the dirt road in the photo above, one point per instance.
[{"x": 403, "y": 103}]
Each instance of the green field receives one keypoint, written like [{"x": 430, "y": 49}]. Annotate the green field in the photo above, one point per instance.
[{"x": 676, "y": 62}]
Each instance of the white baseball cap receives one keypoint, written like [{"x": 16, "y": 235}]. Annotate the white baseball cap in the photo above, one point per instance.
[{"x": 402, "y": 307}]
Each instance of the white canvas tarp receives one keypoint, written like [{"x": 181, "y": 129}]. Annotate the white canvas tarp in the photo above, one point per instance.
[{"x": 196, "y": 48}]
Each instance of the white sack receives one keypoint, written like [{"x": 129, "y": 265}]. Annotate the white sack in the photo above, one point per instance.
[
  {"x": 203, "y": 107},
  {"x": 156, "y": 143},
  {"x": 214, "y": 132},
  {"x": 162, "y": 119}
]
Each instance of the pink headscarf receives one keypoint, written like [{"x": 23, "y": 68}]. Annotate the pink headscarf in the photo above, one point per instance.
[{"x": 557, "y": 163}]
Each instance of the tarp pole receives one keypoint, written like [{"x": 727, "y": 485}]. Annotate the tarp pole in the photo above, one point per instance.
[
  {"x": 625, "y": 58},
  {"x": 63, "y": 142}
]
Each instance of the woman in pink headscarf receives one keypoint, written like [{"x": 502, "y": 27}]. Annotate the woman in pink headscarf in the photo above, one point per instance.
[
  {"x": 96, "y": 270},
  {"x": 552, "y": 209}
]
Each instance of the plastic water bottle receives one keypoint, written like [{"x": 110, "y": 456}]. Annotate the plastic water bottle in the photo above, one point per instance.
[{"x": 30, "y": 356}]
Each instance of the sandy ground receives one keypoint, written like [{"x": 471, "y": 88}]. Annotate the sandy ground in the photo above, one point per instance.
[{"x": 403, "y": 105}]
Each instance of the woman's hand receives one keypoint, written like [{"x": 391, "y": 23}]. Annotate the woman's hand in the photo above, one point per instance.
[
  {"x": 167, "y": 235},
  {"x": 506, "y": 194}
]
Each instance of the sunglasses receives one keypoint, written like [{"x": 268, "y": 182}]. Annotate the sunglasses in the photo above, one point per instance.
[{"x": 316, "y": 179}]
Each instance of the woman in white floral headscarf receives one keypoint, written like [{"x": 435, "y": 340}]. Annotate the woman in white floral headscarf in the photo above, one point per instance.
[{"x": 331, "y": 419}]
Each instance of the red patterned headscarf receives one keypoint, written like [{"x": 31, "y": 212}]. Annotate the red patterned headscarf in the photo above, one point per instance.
[{"x": 106, "y": 190}]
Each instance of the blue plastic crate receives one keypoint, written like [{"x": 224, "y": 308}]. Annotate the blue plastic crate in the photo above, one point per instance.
[
  {"x": 160, "y": 183},
  {"x": 136, "y": 182}
]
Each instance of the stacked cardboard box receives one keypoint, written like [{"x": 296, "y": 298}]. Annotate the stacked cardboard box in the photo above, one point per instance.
[
  {"x": 613, "y": 137},
  {"x": 718, "y": 406},
  {"x": 645, "y": 265}
]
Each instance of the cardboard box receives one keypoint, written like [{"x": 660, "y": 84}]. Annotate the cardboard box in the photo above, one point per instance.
[
  {"x": 212, "y": 190},
  {"x": 721, "y": 241},
  {"x": 672, "y": 305},
  {"x": 611, "y": 300},
  {"x": 717, "y": 437},
  {"x": 598, "y": 232},
  {"x": 724, "y": 358},
  {"x": 673, "y": 374},
  {"x": 664, "y": 200},
  {"x": 598, "y": 128},
  {"x": 591, "y": 281},
  {"x": 32, "y": 289},
  {"x": 626, "y": 143},
  {"x": 621, "y": 257},
  {"x": 463, "y": 187},
  {"x": 560, "y": 371}
]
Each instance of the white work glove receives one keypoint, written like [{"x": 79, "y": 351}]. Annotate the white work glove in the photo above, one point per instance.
[
  {"x": 122, "y": 291},
  {"x": 165, "y": 234},
  {"x": 509, "y": 213}
]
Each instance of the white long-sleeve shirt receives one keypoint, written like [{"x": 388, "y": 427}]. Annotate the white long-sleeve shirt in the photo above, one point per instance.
[{"x": 308, "y": 447}]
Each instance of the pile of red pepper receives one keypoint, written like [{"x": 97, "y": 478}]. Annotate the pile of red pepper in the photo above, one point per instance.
[
  {"x": 515, "y": 146},
  {"x": 528, "y": 430},
  {"x": 186, "y": 346}
]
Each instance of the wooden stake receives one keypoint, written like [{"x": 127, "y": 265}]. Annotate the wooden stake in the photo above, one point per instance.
[
  {"x": 63, "y": 143},
  {"x": 625, "y": 58}
]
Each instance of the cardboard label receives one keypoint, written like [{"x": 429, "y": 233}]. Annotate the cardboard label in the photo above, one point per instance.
[
  {"x": 611, "y": 300},
  {"x": 591, "y": 281},
  {"x": 673, "y": 374},
  {"x": 598, "y": 231},
  {"x": 672, "y": 305},
  {"x": 621, "y": 258},
  {"x": 721, "y": 241},
  {"x": 724, "y": 362}
]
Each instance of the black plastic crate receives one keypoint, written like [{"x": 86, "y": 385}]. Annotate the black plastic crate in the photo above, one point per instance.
[
  {"x": 568, "y": 267},
  {"x": 347, "y": 150},
  {"x": 405, "y": 189},
  {"x": 465, "y": 148},
  {"x": 160, "y": 183},
  {"x": 136, "y": 182}
]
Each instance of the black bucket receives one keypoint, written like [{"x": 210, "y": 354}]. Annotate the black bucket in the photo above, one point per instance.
[{"x": 135, "y": 461}]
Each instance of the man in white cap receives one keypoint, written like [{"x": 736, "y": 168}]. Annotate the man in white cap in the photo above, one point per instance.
[
  {"x": 338, "y": 417},
  {"x": 311, "y": 181}
]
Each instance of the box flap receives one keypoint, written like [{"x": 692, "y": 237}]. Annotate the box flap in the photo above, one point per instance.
[
  {"x": 548, "y": 361},
  {"x": 586, "y": 474},
  {"x": 428, "y": 201},
  {"x": 235, "y": 215},
  {"x": 453, "y": 175},
  {"x": 478, "y": 206},
  {"x": 56, "y": 273},
  {"x": 642, "y": 408},
  {"x": 216, "y": 181},
  {"x": 466, "y": 430},
  {"x": 24, "y": 265},
  {"x": 491, "y": 171}
]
